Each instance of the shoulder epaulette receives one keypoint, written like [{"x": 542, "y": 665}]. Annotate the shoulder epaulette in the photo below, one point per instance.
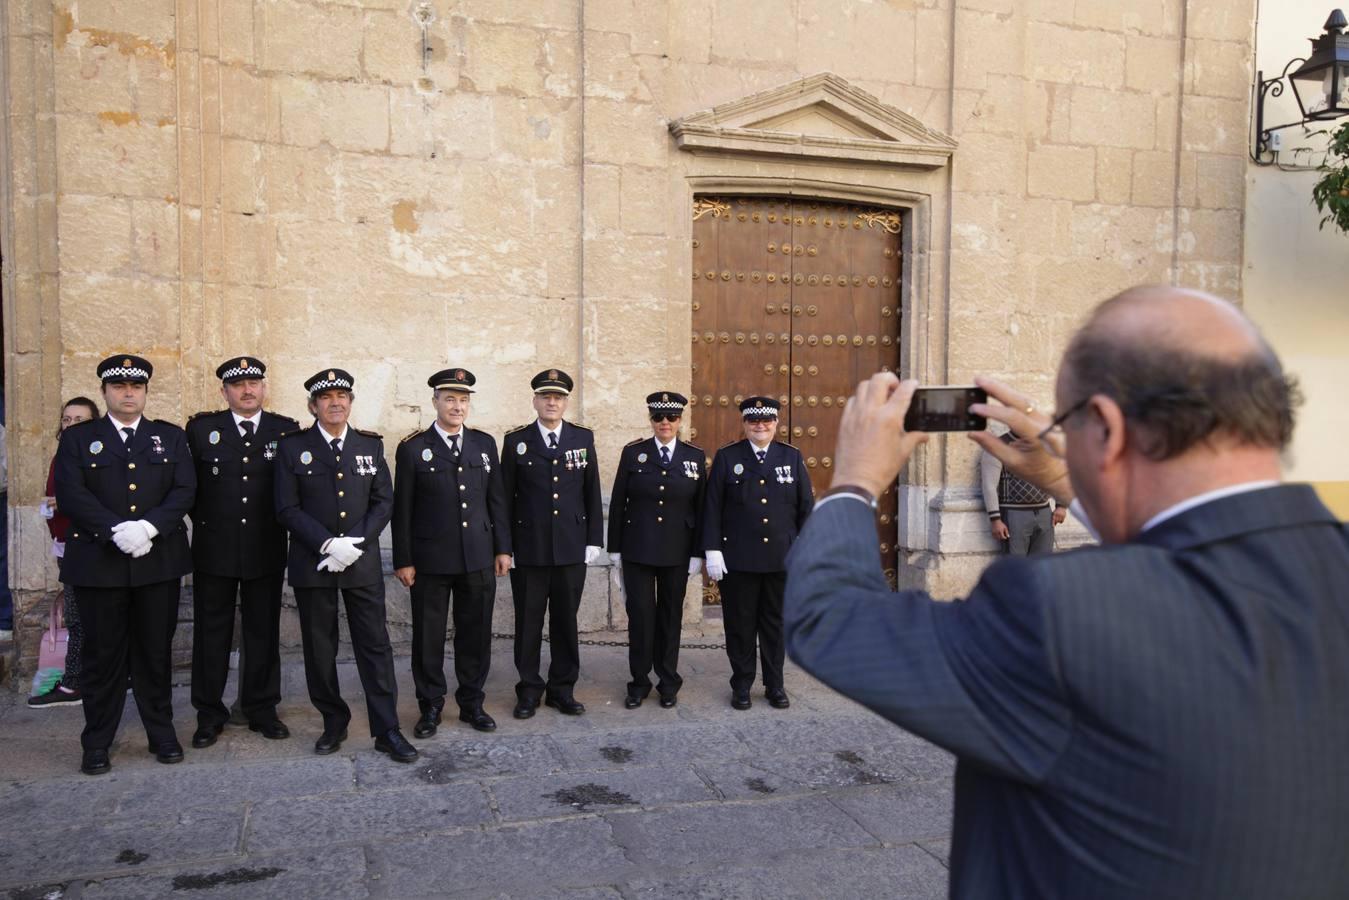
[
  {"x": 694, "y": 446},
  {"x": 166, "y": 422},
  {"x": 787, "y": 444},
  {"x": 478, "y": 430},
  {"x": 285, "y": 418},
  {"x": 519, "y": 428},
  {"x": 411, "y": 434},
  {"x": 729, "y": 443},
  {"x": 582, "y": 427},
  {"x": 635, "y": 443},
  {"x": 81, "y": 424},
  {"x": 288, "y": 434},
  {"x": 206, "y": 412},
  {"x": 370, "y": 434}
]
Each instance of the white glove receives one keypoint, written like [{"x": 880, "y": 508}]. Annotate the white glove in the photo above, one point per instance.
[
  {"x": 141, "y": 550},
  {"x": 343, "y": 550},
  {"x": 512, "y": 560},
  {"x": 592, "y": 553},
  {"x": 58, "y": 548},
  {"x": 695, "y": 565},
  {"x": 615, "y": 558},
  {"x": 716, "y": 565},
  {"x": 330, "y": 565},
  {"x": 132, "y": 536}
]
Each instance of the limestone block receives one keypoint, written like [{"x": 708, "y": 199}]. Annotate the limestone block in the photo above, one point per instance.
[
  {"x": 755, "y": 33},
  {"x": 690, "y": 31},
  {"x": 89, "y": 78},
  {"x": 1072, "y": 282},
  {"x": 1218, "y": 68},
  {"x": 208, "y": 92},
  {"x": 1067, "y": 173},
  {"x": 154, "y": 226},
  {"x": 603, "y": 190},
  {"x": 1049, "y": 11},
  {"x": 987, "y": 43},
  {"x": 562, "y": 66},
  {"x": 1074, "y": 56},
  {"x": 503, "y": 59},
  {"x": 1112, "y": 118},
  {"x": 1002, "y": 107},
  {"x": 95, "y": 233},
  {"x": 1114, "y": 174},
  {"x": 248, "y": 108},
  {"x": 849, "y": 39},
  {"x": 151, "y": 20},
  {"x": 156, "y": 90},
  {"x": 536, "y": 130},
  {"x": 1033, "y": 348},
  {"x": 242, "y": 328},
  {"x": 304, "y": 37},
  {"x": 393, "y": 51},
  {"x": 300, "y": 182},
  {"x": 626, "y": 266},
  {"x": 988, "y": 163},
  {"x": 1147, "y": 16},
  {"x": 932, "y": 32},
  {"x": 237, "y": 28},
  {"x": 646, "y": 201},
  {"x": 189, "y": 242},
  {"x": 406, "y": 193},
  {"x": 1223, "y": 279},
  {"x": 648, "y": 22},
  {"x": 1187, "y": 187},
  {"x": 98, "y": 309},
  {"x": 593, "y": 614},
  {"x": 1214, "y": 125},
  {"x": 243, "y": 178},
  {"x": 1211, "y": 235},
  {"x": 1222, "y": 20},
  {"x": 557, "y": 14},
  {"x": 557, "y": 204},
  {"x": 986, "y": 223},
  {"x": 31, "y": 564},
  {"x": 977, "y": 338},
  {"x": 1154, "y": 178},
  {"x": 1221, "y": 182},
  {"x": 347, "y": 116},
  {"x": 619, "y": 331},
  {"x": 113, "y": 155},
  {"x": 611, "y": 70},
  {"x": 249, "y": 249},
  {"x": 563, "y": 265},
  {"x": 1152, "y": 64}
]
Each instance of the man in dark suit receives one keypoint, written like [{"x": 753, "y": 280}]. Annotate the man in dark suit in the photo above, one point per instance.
[
  {"x": 334, "y": 495},
  {"x": 654, "y": 512},
  {"x": 126, "y": 482},
  {"x": 450, "y": 540},
  {"x": 553, "y": 501},
  {"x": 758, "y": 497},
  {"x": 238, "y": 548},
  {"x": 1159, "y": 717}
]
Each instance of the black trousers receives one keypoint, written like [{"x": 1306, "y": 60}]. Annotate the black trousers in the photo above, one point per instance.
[
  {"x": 655, "y": 602},
  {"x": 557, "y": 591},
  {"x": 471, "y": 596},
  {"x": 213, "y": 634},
  {"x": 128, "y": 627},
  {"x": 751, "y": 604},
  {"x": 369, "y": 642}
]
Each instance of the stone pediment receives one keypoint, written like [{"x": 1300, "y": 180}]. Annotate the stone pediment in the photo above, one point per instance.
[{"x": 820, "y": 117}]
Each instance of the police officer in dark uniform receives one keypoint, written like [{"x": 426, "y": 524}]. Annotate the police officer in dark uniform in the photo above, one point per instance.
[
  {"x": 450, "y": 540},
  {"x": 126, "y": 482},
  {"x": 654, "y": 515},
  {"x": 334, "y": 495},
  {"x": 238, "y": 547},
  {"x": 758, "y": 497},
  {"x": 557, "y": 525}
]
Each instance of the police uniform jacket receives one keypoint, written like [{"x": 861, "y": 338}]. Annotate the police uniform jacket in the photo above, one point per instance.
[
  {"x": 449, "y": 516},
  {"x": 754, "y": 510},
  {"x": 318, "y": 498},
  {"x": 235, "y": 533},
  {"x": 101, "y": 481},
  {"x": 655, "y": 511},
  {"x": 553, "y": 498}
]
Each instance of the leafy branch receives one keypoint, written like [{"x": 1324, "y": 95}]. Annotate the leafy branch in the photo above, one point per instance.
[{"x": 1331, "y": 192}]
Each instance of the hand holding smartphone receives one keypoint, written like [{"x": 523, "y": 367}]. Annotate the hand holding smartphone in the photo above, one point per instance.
[{"x": 945, "y": 408}]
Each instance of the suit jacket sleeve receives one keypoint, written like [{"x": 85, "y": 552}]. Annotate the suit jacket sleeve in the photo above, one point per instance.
[
  {"x": 508, "y": 480},
  {"x": 711, "y": 528},
  {"x": 178, "y": 501},
  {"x": 618, "y": 499},
  {"x": 979, "y": 677},
  {"x": 594, "y": 501},
  {"x": 75, "y": 499},
  {"x": 405, "y": 476},
  {"x": 699, "y": 499},
  {"x": 380, "y": 506},
  {"x": 302, "y": 526},
  {"x": 805, "y": 493},
  {"x": 497, "y": 507}
]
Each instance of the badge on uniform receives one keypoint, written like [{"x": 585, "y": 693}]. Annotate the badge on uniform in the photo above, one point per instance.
[
  {"x": 158, "y": 444},
  {"x": 213, "y": 437},
  {"x": 306, "y": 458},
  {"x": 365, "y": 465},
  {"x": 739, "y": 469},
  {"x": 487, "y": 463},
  {"x": 96, "y": 447},
  {"x": 784, "y": 474},
  {"x": 570, "y": 456},
  {"x": 427, "y": 454},
  {"x": 521, "y": 448},
  {"x": 215, "y": 470},
  {"x": 690, "y": 469},
  {"x": 269, "y": 451},
  {"x": 641, "y": 457}
]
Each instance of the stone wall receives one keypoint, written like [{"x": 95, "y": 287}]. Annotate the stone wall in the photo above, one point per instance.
[{"x": 389, "y": 185}]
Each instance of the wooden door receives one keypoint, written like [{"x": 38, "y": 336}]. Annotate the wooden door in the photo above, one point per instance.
[{"x": 799, "y": 300}]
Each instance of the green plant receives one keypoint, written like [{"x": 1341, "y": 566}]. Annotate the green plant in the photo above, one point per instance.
[{"x": 1331, "y": 193}]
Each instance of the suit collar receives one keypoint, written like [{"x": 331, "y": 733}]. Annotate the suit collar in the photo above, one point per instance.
[
  {"x": 438, "y": 445},
  {"x": 1227, "y": 517}
]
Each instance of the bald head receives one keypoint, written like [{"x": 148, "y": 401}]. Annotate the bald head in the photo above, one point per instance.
[{"x": 1185, "y": 367}]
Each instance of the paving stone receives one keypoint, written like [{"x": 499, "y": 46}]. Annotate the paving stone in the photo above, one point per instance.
[
  {"x": 693, "y": 836},
  {"x": 654, "y": 745},
  {"x": 62, "y": 800},
  {"x": 905, "y": 873},
  {"x": 585, "y": 893},
  {"x": 331, "y": 873},
  {"x": 184, "y": 787},
  {"x": 793, "y": 735},
  {"x": 514, "y": 861},
  {"x": 445, "y": 761},
  {"x": 589, "y": 792},
  {"x": 364, "y": 816},
  {"x": 747, "y": 781},
  {"x": 940, "y": 849},
  {"x": 900, "y": 813}
]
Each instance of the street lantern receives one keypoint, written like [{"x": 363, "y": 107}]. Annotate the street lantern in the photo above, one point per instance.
[{"x": 1320, "y": 85}]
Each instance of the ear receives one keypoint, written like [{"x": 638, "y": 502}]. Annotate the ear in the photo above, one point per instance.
[{"x": 1109, "y": 427}]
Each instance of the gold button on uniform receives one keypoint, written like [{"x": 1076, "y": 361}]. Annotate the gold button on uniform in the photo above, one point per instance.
[
  {"x": 342, "y": 514},
  {"x": 244, "y": 521},
  {"x": 131, "y": 487},
  {"x": 464, "y": 505},
  {"x": 555, "y": 496},
  {"x": 133, "y": 508},
  {"x": 659, "y": 519},
  {"x": 339, "y": 475},
  {"x": 131, "y": 465},
  {"x": 245, "y": 459},
  {"x": 245, "y": 478},
  {"x": 243, "y": 499},
  {"x": 341, "y": 493},
  {"x": 763, "y": 499},
  {"x": 765, "y": 540}
]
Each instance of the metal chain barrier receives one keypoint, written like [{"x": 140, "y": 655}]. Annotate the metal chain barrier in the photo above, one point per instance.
[{"x": 595, "y": 643}]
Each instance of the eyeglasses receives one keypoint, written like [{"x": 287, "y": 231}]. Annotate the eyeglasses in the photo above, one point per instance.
[
  {"x": 1052, "y": 438},
  {"x": 665, "y": 417}
]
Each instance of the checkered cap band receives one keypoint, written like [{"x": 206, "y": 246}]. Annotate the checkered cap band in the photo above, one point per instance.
[
  {"x": 760, "y": 412},
  {"x": 237, "y": 372},
  {"x": 119, "y": 372},
  {"x": 328, "y": 384},
  {"x": 664, "y": 405}
]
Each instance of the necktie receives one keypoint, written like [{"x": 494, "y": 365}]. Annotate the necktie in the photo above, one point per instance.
[
  {"x": 129, "y": 432},
  {"x": 247, "y": 426},
  {"x": 762, "y": 454},
  {"x": 337, "y": 447},
  {"x": 664, "y": 456},
  {"x": 552, "y": 440},
  {"x": 454, "y": 444}
]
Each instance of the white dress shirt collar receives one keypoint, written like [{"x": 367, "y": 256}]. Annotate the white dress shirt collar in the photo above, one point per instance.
[
  {"x": 670, "y": 446},
  {"x": 545, "y": 432},
  {"x": 1190, "y": 503},
  {"x": 341, "y": 438},
  {"x": 134, "y": 426},
  {"x": 445, "y": 435},
  {"x": 256, "y": 419}
]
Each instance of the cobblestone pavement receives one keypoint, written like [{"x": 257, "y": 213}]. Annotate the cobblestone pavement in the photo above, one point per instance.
[{"x": 821, "y": 800}]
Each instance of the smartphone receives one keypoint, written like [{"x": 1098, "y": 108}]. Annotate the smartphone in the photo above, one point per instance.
[{"x": 945, "y": 408}]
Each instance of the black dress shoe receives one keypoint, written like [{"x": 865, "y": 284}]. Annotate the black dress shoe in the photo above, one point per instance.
[
  {"x": 169, "y": 752},
  {"x": 565, "y": 705},
  {"x": 205, "y": 735},
  {"x": 426, "y": 725},
  {"x": 480, "y": 720},
  {"x": 329, "y": 742},
  {"x": 393, "y": 743},
  {"x": 740, "y": 700},
  {"x": 777, "y": 698},
  {"x": 668, "y": 700},
  {"x": 274, "y": 730},
  {"x": 95, "y": 762},
  {"x": 631, "y": 702},
  {"x": 524, "y": 709}
]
